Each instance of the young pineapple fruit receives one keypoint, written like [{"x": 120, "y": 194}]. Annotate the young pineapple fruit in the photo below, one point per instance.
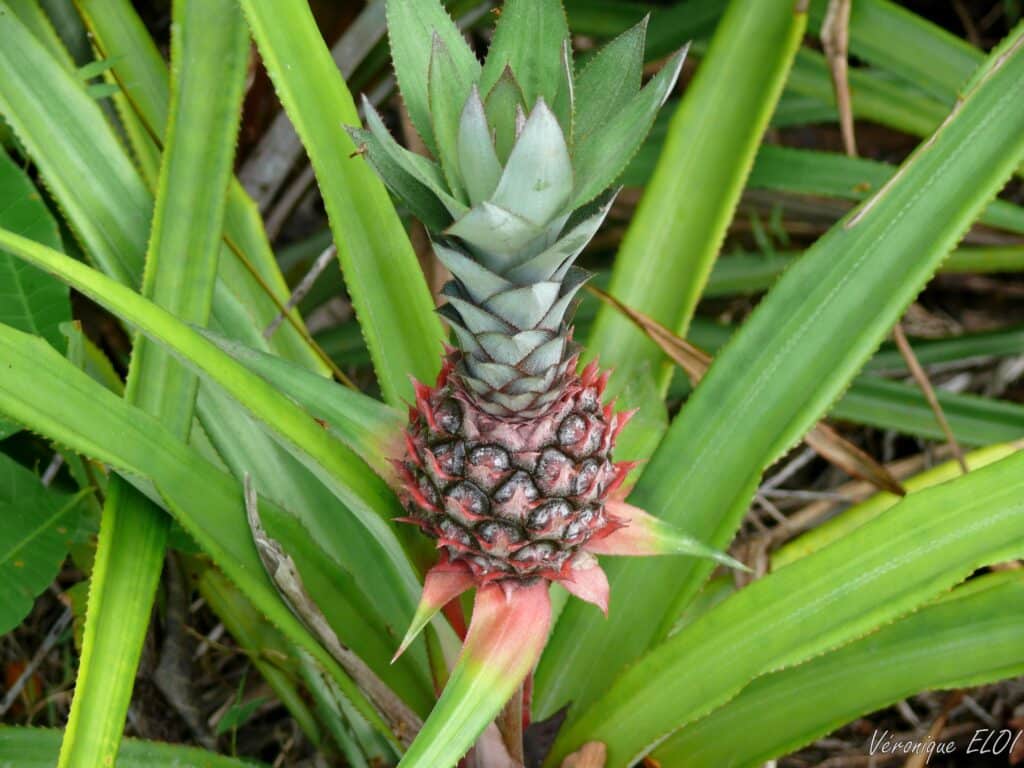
[{"x": 508, "y": 456}]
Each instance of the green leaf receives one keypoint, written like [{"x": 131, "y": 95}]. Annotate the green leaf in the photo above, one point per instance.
[
  {"x": 208, "y": 42},
  {"x": 339, "y": 468},
  {"x": 971, "y": 637},
  {"x": 677, "y": 233},
  {"x": 447, "y": 91},
  {"x": 894, "y": 405},
  {"x": 245, "y": 308},
  {"x": 857, "y": 515},
  {"x": 602, "y": 155},
  {"x": 674, "y": 231},
  {"x": 50, "y": 396},
  {"x": 926, "y": 544},
  {"x": 528, "y": 38},
  {"x": 791, "y": 360},
  {"x": 365, "y": 425},
  {"x": 37, "y": 748},
  {"x": 830, "y": 174},
  {"x": 609, "y": 81},
  {"x": 412, "y": 25},
  {"x": 30, "y": 300},
  {"x": 387, "y": 288},
  {"x": 36, "y": 528}
]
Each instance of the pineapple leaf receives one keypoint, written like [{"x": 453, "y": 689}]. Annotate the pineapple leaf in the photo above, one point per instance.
[
  {"x": 970, "y": 637},
  {"x": 495, "y": 232},
  {"x": 447, "y": 91},
  {"x": 412, "y": 25},
  {"x": 420, "y": 168},
  {"x": 603, "y": 154},
  {"x": 506, "y": 636},
  {"x": 395, "y": 172},
  {"x": 478, "y": 159},
  {"x": 530, "y": 39},
  {"x": 553, "y": 263},
  {"x": 538, "y": 177},
  {"x": 478, "y": 281},
  {"x": 609, "y": 81},
  {"x": 502, "y": 105}
]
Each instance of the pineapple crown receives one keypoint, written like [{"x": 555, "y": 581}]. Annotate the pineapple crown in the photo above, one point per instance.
[{"x": 524, "y": 146}]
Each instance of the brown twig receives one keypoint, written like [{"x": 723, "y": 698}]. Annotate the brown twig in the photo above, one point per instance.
[
  {"x": 921, "y": 377},
  {"x": 835, "y": 38},
  {"x": 695, "y": 362}
]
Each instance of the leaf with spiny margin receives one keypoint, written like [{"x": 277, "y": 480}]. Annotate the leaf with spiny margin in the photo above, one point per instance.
[
  {"x": 506, "y": 635},
  {"x": 926, "y": 544},
  {"x": 447, "y": 91},
  {"x": 478, "y": 159},
  {"x": 38, "y": 748},
  {"x": 412, "y": 25},
  {"x": 502, "y": 104},
  {"x": 385, "y": 283},
  {"x": 396, "y": 176},
  {"x": 337, "y": 467},
  {"x": 478, "y": 281},
  {"x": 529, "y": 37},
  {"x": 604, "y": 153},
  {"x": 538, "y": 177},
  {"x": 970, "y": 637},
  {"x": 609, "y": 81},
  {"x": 420, "y": 168},
  {"x": 795, "y": 355},
  {"x": 36, "y": 528},
  {"x": 51, "y": 397},
  {"x": 30, "y": 299},
  {"x": 364, "y": 424}
]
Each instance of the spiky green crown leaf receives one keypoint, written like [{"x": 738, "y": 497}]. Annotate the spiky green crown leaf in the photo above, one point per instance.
[{"x": 524, "y": 147}]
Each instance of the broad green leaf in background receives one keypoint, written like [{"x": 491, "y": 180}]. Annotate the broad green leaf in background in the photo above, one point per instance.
[
  {"x": 209, "y": 41},
  {"x": 37, "y": 748},
  {"x": 689, "y": 203},
  {"x": 926, "y": 544},
  {"x": 338, "y": 467},
  {"x": 30, "y": 300},
  {"x": 383, "y": 277},
  {"x": 854, "y": 517},
  {"x": 677, "y": 233},
  {"x": 792, "y": 358},
  {"x": 50, "y": 396},
  {"x": 411, "y": 51},
  {"x": 971, "y": 637},
  {"x": 140, "y": 70},
  {"x": 66, "y": 130},
  {"x": 36, "y": 528}
]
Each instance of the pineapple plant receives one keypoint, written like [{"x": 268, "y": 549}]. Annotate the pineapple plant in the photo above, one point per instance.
[{"x": 507, "y": 459}]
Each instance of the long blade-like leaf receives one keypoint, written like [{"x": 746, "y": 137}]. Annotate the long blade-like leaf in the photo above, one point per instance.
[
  {"x": 50, "y": 396},
  {"x": 37, "y": 748},
  {"x": 387, "y": 288},
  {"x": 969, "y": 638},
  {"x": 800, "y": 348},
  {"x": 676, "y": 232},
  {"x": 141, "y": 72},
  {"x": 926, "y": 544},
  {"x": 209, "y": 42},
  {"x": 337, "y": 466}
]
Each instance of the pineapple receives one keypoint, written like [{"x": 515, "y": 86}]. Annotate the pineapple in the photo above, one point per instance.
[{"x": 508, "y": 456}]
